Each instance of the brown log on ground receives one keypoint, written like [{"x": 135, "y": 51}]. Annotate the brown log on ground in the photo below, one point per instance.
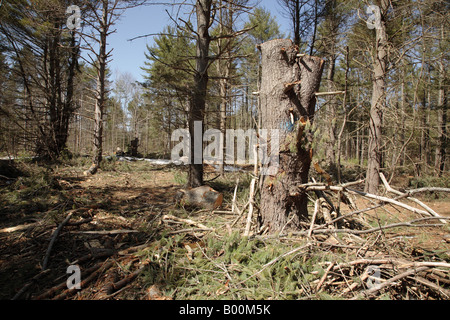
[
  {"x": 203, "y": 197},
  {"x": 282, "y": 67},
  {"x": 92, "y": 170}
]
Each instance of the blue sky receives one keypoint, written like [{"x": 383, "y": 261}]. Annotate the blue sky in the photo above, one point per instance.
[{"x": 129, "y": 56}]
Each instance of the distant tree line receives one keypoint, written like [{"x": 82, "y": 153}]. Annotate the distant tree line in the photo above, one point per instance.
[{"x": 57, "y": 93}]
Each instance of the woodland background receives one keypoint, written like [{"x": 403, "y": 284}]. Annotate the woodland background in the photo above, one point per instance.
[{"x": 46, "y": 76}]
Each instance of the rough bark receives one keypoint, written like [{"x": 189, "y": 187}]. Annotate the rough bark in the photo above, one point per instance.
[
  {"x": 331, "y": 114},
  {"x": 280, "y": 103},
  {"x": 377, "y": 105},
  {"x": 198, "y": 102},
  {"x": 226, "y": 21},
  {"x": 442, "y": 115}
]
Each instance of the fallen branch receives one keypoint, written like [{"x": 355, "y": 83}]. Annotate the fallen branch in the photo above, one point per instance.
[
  {"x": 233, "y": 203},
  {"x": 313, "y": 219},
  {"x": 27, "y": 285},
  {"x": 54, "y": 236},
  {"x": 50, "y": 292},
  {"x": 188, "y": 231},
  {"x": 376, "y": 288},
  {"x": 429, "y": 189},
  {"x": 106, "y": 232},
  {"x": 106, "y": 253},
  {"x": 433, "y": 286},
  {"x": 188, "y": 221},
  {"x": 361, "y": 193},
  {"x": 324, "y": 276},
  {"x": 390, "y": 189},
  {"x": 19, "y": 227},
  {"x": 250, "y": 209},
  {"x": 99, "y": 269},
  {"x": 125, "y": 281},
  {"x": 79, "y": 223},
  {"x": 401, "y": 264},
  {"x": 241, "y": 213},
  {"x": 375, "y": 229}
]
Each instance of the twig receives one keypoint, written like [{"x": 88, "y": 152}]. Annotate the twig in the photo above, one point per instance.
[
  {"x": 250, "y": 209},
  {"x": 275, "y": 260},
  {"x": 19, "y": 227},
  {"x": 123, "y": 282},
  {"x": 318, "y": 94},
  {"x": 50, "y": 292},
  {"x": 363, "y": 277},
  {"x": 27, "y": 285},
  {"x": 388, "y": 282},
  {"x": 324, "y": 276},
  {"x": 233, "y": 203},
  {"x": 55, "y": 235},
  {"x": 433, "y": 286},
  {"x": 188, "y": 221},
  {"x": 100, "y": 269},
  {"x": 107, "y": 232},
  {"x": 313, "y": 219},
  {"x": 224, "y": 212},
  {"x": 188, "y": 231},
  {"x": 223, "y": 268},
  {"x": 241, "y": 213},
  {"x": 348, "y": 184},
  {"x": 401, "y": 264}
]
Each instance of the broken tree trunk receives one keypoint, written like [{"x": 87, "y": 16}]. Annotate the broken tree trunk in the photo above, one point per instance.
[
  {"x": 203, "y": 197},
  {"x": 288, "y": 98}
]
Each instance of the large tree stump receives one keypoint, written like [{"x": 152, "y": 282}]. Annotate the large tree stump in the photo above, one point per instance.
[{"x": 288, "y": 86}]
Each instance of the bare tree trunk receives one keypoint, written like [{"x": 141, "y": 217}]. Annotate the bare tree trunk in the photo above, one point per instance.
[
  {"x": 283, "y": 99},
  {"x": 197, "y": 105},
  {"x": 223, "y": 117},
  {"x": 101, "y": 90},
  {"x": 377, "y": 105},
  {"x": 224, "y": 70},
  {"x": 442, "y": 115},
  {"x": 403, "y": 116},
  {"x": 331, "y": 114},
  {"x": 423, "y": 135}
]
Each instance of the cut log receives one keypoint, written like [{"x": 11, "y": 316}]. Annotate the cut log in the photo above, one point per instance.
[
  {"x": 92, "y": 170},
  {"x": 203, "y": 197}
]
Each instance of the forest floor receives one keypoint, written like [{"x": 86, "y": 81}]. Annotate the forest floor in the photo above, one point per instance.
[{"x": 121, "y": 235}]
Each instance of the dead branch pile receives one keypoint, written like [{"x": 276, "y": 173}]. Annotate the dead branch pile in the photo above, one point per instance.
[{"x": 387, "y": 258}]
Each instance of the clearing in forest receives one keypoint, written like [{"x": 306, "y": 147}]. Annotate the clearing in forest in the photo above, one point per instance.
[{"x": 131, "y": 240}]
